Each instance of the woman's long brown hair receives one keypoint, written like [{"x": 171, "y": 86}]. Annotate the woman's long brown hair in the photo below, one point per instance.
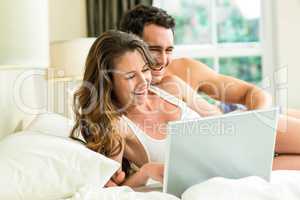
[{"x": 94, "y": 103}]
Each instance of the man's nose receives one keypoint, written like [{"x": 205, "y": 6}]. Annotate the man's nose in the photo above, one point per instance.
[{"x": 162, "y": 59}]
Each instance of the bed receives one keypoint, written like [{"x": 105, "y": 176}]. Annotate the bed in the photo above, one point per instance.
[{"x": 40, "y": 162}]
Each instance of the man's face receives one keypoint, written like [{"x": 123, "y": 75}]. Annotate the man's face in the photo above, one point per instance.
[{"x": 160, "y": 41}]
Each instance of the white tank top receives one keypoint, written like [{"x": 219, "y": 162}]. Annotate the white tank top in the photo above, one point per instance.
[{"x": 156, "y": 148}]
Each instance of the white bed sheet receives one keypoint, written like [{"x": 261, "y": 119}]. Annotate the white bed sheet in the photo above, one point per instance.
[
  {"x": 118, "y": 193},
  {"x": 284, "y": 185}
]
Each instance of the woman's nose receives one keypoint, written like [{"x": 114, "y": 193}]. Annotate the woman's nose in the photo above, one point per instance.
[{"x": 142, "y": 81}]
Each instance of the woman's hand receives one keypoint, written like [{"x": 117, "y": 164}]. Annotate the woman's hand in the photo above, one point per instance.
[
  {"x": 117, "y": 179},
  {"x": 154, "y": 171}
]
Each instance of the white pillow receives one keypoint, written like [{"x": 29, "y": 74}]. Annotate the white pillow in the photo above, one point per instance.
[
  {"x": 35, "y": 166},
  {"x": 51, "y": 124}
]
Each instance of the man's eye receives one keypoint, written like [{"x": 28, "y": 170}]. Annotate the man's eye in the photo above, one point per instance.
[
  {"x": 154, "y": 50},
  {"x": 146, "y": 69},
  {"x": 169, "y": 51}
]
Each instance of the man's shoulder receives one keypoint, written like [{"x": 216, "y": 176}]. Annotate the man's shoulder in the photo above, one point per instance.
[
  {"x": 186, "y": 64},
  {"x": 170, "y": 80},
  {"x": 192, "y": 71},
  {"x": 180, "y": 61},
  {"x": 172, "y": 84},
  {"x": 185, "y": 60}
]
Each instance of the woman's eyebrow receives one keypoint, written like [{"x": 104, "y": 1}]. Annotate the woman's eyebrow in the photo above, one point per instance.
[
  {"x": 129, "y": 72},
  {"x": 133, "y": 71}
]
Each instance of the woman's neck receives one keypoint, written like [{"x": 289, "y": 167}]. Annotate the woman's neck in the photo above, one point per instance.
[
  {"x": 141, "y": 109},
  {"x": 151, "y": 105}
]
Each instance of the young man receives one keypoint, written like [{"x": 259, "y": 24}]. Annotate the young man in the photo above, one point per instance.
[{"x": 156, "y": 28}]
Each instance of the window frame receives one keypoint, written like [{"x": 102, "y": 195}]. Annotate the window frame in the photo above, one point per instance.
[{"x": 215, "y": 50}]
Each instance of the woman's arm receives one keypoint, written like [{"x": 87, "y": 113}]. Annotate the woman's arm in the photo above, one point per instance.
[
  {"x": 140, "y": 178},
  {"x": 119, "y": 176},
  {"x": 154, "y": 171},
  {"x": 180, "y": 89}
]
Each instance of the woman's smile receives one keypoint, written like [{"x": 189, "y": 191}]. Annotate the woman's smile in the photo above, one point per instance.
[{"x": 142, "y": 91}]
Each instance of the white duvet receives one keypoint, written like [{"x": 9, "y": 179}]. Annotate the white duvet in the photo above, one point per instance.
[
  {"x": 285, "y": 185},
  {"x": 118, "y": 193}
]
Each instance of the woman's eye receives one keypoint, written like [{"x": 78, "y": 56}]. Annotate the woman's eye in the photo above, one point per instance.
[{"x": 130, "y": 77}]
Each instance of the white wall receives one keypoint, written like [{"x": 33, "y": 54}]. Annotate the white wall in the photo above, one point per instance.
[
  {"x": 24, "y": 58},
  {"x": 288, "y": 46},
  {"x": 24, "y": 33},
  {"x": 67, "y": 19},
  {"x": 23, "y": 94}
]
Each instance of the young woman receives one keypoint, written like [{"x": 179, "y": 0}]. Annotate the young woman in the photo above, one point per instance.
[{"x": 120, "y": 115}]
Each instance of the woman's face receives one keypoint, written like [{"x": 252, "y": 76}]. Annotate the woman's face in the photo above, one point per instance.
[{"x": 131, "y": 79}]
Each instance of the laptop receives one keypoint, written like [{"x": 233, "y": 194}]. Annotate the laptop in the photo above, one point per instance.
[{"x": 232, "y": 146}]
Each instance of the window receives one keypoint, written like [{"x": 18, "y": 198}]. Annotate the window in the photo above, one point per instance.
[
  {"x": 224, "y": 34},
  {"x": 245, "y": 68}
]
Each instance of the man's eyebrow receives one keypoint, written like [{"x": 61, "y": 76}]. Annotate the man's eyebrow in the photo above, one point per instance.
[
  {"x": 159, "y": 47},
  {"x": 155, "y": 47}
]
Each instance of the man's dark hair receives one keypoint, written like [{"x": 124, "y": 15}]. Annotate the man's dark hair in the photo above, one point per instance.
[{"x": 135, "y": 19}]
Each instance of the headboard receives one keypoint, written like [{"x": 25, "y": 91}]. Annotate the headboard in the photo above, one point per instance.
[
  {"x": 26, "y": 93},
  {"x": 22, "y": 97}
]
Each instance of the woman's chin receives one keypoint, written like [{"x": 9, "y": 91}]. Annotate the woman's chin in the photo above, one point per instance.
[{"x": 140, "y": 99}]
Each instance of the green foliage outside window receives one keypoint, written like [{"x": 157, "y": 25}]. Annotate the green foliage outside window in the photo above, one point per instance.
[
  {"x": 245, "y": 68},
  {"x": 192, "y": 22},
  {"x": 233, "y": 27},
  {"x": 208, "y": 61}
]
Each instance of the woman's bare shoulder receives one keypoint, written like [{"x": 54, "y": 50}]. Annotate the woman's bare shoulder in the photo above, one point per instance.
[{"x": 123, "y": 128}]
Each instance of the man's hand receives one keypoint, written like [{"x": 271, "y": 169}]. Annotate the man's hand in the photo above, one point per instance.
[{"x": 117, "y": 179}]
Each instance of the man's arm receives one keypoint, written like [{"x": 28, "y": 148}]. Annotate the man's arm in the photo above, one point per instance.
[
  {"x": 224, "y": 88},
  {"x": 177, "y": 87}
]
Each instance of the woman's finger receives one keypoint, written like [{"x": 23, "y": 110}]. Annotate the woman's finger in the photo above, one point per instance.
[
  {"x": 119, "y": 177},
  {"x": 110, "y": 183}
]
